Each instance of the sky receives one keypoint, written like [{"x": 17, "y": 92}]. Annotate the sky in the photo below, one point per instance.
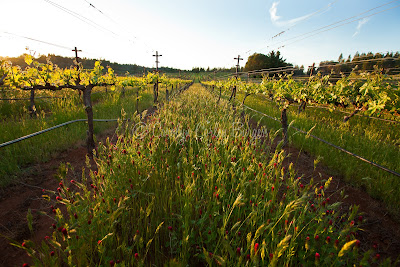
[{"x": 208, "y": 33}]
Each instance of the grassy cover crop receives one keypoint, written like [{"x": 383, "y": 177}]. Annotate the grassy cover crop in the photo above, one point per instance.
[
  {"x": 52, "y": 112},
  {"x": 192, "y": 187},
  {"x": 372, "y": 139}
]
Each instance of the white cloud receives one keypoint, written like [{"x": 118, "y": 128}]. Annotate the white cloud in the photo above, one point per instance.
[
  {"x": 360, "y": 24},
  {"x": 276, "y": 19},
  {"x": 273, "y": 10}
]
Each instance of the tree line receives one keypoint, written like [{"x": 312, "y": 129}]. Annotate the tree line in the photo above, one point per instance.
[
  {"x": 87, "y": 63},
  {"x": 388, "y": 63}
]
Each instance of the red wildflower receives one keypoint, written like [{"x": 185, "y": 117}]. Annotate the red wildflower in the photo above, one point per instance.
[
  {"x": 64, "y": 231},
  {"x": 256, "y": 247},
  {"x": 317, "y": 256}
]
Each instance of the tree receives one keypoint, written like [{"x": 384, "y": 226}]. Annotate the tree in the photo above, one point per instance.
[
  {"x": 340, "y": 59},
  {"x": 259, "y": 61}
]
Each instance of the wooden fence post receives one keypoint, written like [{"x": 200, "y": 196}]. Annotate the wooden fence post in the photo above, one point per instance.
[
  {"x": 89, "y": 112},
  {"x": 32, "y": 108},
  {"x": 284, "y": 126}
]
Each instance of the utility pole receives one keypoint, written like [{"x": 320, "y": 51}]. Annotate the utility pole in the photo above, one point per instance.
[{"x": 155, "y": 89}]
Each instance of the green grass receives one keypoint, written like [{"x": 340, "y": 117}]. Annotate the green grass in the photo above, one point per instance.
[
  {"x": 16, "y": 157},
  {"x": 186, "y": 190},
  {"x": 375, "y": 140}
]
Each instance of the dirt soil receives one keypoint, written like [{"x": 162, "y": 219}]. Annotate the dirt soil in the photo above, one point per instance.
[{"x": 379, "y": 229}]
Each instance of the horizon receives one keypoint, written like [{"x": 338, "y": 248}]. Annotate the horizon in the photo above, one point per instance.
[{"x": 210, "y": 34}]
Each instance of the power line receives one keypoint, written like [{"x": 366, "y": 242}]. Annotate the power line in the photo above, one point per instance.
[
  {"x": 309, "y": 16},
  {"x": 80, "y": 17},
  {"x": 36, "y": 40},
  {"x": 318, "y": 31}
]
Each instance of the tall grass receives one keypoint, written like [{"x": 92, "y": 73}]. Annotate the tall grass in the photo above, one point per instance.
[
  {"x": 190, "y": 187},
  {"x": 16, "y": 157},
  {"x": 375, "y": 140}
]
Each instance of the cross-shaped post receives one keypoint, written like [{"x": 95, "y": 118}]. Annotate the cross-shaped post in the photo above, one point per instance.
[
  {"x": 76, "y": 56},
  {"x": 157, "y": 55},
  {"x": 237, "y": 66}
]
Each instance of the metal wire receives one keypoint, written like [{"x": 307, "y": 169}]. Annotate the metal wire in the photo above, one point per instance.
[
  {"x": 50, "y": 129},
  {"x": 330, "y": 144}
]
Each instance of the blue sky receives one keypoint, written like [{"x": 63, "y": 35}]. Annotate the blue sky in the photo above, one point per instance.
[{"x": 198, "y": 33}]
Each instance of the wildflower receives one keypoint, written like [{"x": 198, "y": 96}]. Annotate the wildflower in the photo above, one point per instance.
[
  {"x": 238, "y": 251},
  {"x": 112, "y": 263},
  {"x": 52, "y": 253},
  {"x": 64, "y": 231},
  {"x": 170, "y": 228},
  {"x": 256, "y": 247},
  {"x": 317, "y": 256}
]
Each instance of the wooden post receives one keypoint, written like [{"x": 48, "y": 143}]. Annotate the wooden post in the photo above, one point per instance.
[
  {"x": 78, "y": 79},
  {"x": 284, "y": 126},
  {"x": 123, "y": 91},
  {"x": 155, "y": 91},
  {"x": 32, "y": 108},
  {"x": 89, "y": 112},
  {"x": 156, "y": 84},
  {"x": 236, "y": 76},
  {"x": 220, "y": 91},
  {"x": 137, "y": 101}
]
